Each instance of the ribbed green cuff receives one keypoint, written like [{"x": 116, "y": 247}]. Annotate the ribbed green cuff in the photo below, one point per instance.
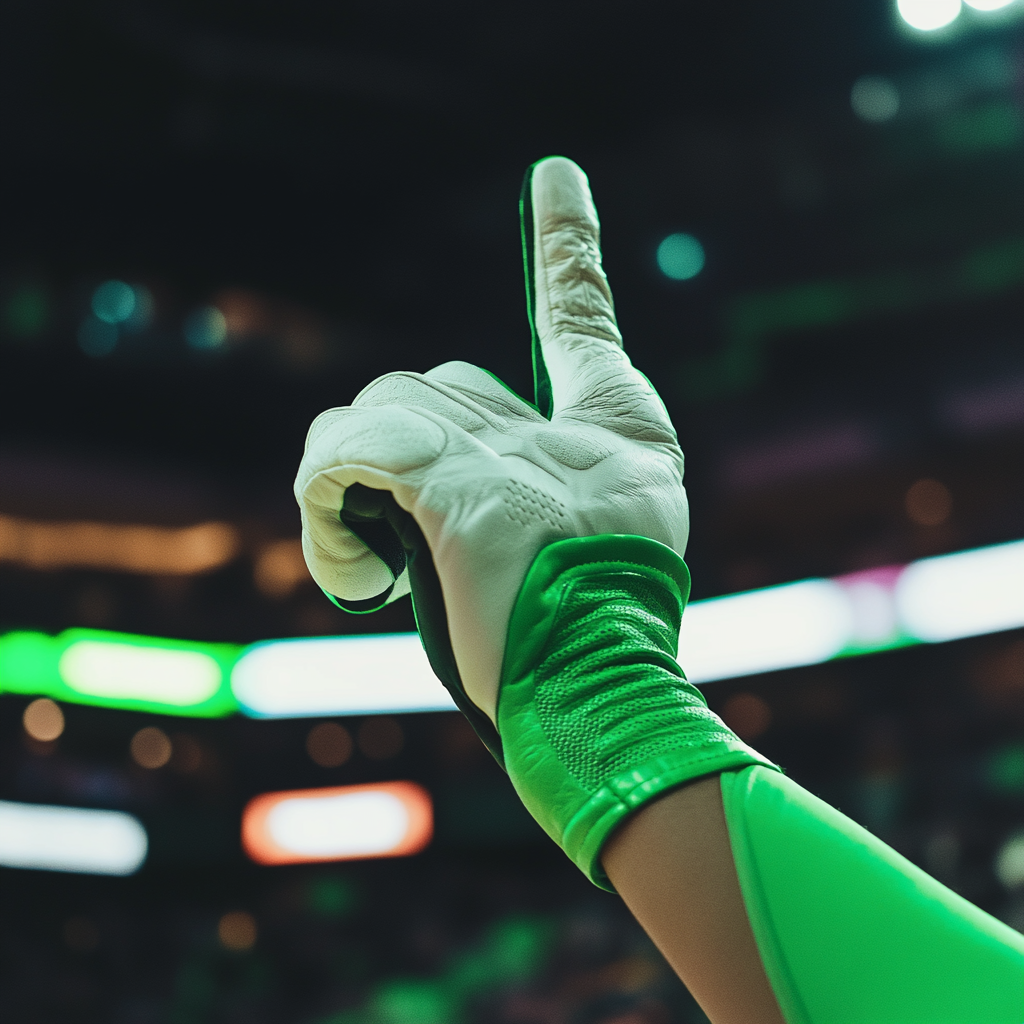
[{"x": 594, "y": 713}]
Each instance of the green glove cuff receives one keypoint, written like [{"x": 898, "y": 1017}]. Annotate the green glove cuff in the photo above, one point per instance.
[{"x": 595, "y": 715}]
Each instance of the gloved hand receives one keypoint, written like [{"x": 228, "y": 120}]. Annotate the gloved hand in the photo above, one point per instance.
[{"x": 449, "y": 484}]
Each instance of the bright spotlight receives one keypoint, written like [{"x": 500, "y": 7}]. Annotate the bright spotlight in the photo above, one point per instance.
[
  {"x": 928, "y": 15},
  {"x": 681, "y": 257},
  {"x": 988, "y": 5}
]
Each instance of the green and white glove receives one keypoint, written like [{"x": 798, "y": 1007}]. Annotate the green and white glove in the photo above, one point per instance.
[{"x": 542, "y": 544}]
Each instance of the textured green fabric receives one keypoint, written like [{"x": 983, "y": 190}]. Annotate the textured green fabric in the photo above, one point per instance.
[
  {"x": 849, "y": 931},
  {"x": 594, "y": 713}
]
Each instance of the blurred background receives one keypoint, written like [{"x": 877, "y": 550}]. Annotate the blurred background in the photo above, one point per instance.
[{"x": 219, "y": 219}]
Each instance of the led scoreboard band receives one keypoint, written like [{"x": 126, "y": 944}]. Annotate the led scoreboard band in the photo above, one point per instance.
[{"x": 933, "y": 600}]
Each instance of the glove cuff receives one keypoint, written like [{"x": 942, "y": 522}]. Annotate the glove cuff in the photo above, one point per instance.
[{"x": 595, "y": 715}]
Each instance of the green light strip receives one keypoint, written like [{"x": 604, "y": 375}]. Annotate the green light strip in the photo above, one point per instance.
[
  {"x": 121, "y": 670},
  {"x": 968, "y": 593}
]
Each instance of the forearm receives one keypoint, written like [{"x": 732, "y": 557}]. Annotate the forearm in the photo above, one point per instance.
[
  {"x": 571, "y": 677},
  {"x": 771, "y": 905},
  {"x": 672, "y": 865}
]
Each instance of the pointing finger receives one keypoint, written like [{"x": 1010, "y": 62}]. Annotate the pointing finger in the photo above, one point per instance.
[{"x": 571, "y": 309}]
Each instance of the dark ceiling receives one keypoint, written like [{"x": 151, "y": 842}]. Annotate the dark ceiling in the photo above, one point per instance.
[{"x": 342, "y": 180}]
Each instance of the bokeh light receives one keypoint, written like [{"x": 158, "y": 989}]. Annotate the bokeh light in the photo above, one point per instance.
[
  {"x": 329, "y": 744},
  {"x": 143, "y": 672},
  {"x": 43, "y": 720},
  {"x": 96, "y": 337},
  {"x": 27, "y": 311},
  {"x": 381, "y": 737},
  {"x": 680, "y": 257},
  {"x": 748, "y": 715},
  {"x": 1003, "y": 769},
  {"x": 187, "y": 754},
  {"x": 82, "y": 839},
  {"x": 382, "y": 819},
  {"x": 237, "y": 931},
  {"x": 118, "y": 547},
  {"x": 206, "y": 328},
  {"x": 113, "y": 302},
  {"x": 928, "y": 15},
  {"x": 280, "y": 567},
  {"x": 151, "y": 748},
  {"x": 142, "y": 313},
  {"x": 1009, "y": 863},
  {"x": 928, "y": 503},
  {"x": 988, "y": 5},
  {"x": 874, "y": 99}
]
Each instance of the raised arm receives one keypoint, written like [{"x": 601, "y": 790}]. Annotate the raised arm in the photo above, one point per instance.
[{"x": 543, "y": 547}]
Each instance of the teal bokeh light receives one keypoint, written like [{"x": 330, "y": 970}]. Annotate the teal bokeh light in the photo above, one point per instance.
[
  {"x": 97, "y": 338},
  {"x": 681, "y": 257},
  {"x": 142, "y": 312},
  {"x": 113, "y": 302},
  {"x": 206, "y": 328}
]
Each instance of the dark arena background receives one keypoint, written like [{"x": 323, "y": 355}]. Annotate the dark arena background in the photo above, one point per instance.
[{"x": 220, "y": 218}]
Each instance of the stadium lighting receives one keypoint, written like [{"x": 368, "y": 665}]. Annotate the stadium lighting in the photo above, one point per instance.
[
  {"x": 389, "y": 819},
  {"x": 928, "y": 15},
  {"x": 762, "y": 630},
  {"x": 74, "y": 839},
  {"x": 114, "y": 302},
  {"x": 206, "y": 328},
  {"x": 102, "y": 669},
  {"x": 681, "y": 257},
  {"x": 930, "y": 601},
  {"x": 966, "y": 594},
  {"x": 1009, "y": 865},
  {"x": 875, "y": 99},
  {"x": 338, "y": 676},
  {"x": 118, "y": 547},
  {"x": 121, "y": 670}
]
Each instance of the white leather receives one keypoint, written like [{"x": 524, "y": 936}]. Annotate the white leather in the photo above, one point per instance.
[{"x": 487, "y": 478}]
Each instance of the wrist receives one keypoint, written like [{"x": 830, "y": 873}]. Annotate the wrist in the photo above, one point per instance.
[{"x": 595, "y": 715}]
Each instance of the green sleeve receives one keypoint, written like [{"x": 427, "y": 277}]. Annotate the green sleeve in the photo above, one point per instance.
[
  {"x": 849, "y": 931},
  {"x": 595, "y": 716}
]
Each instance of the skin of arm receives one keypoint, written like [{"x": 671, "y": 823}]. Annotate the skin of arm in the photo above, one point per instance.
[{"x": 672, "y": 865}]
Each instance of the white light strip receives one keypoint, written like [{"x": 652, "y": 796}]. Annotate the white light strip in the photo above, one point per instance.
[
  {"x": 70, "y": 839},
  {"x": 338, "y": 676},
  {"x": 763, "y": 630},
  {"x": 356, "y": 825},
  {"x": 966, "y": 594},
  {"x": 123, "y": 671},
  {"x": 805, "y": 623}
]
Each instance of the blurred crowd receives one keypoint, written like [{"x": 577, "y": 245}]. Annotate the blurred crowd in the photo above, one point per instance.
[{"x": 491, "y": 924}]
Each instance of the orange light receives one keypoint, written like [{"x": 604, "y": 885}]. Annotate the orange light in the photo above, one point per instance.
[
  {"x": 117, "y": 547},
  {"x": 280, "y": 568},
  {"x": 384, "y": 819}
]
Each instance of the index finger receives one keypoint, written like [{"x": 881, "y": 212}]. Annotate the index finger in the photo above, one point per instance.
[{"x": 569, "y": 303}]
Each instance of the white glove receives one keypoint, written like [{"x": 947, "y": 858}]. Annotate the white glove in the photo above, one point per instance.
[{"x": 488, "y": 479}]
